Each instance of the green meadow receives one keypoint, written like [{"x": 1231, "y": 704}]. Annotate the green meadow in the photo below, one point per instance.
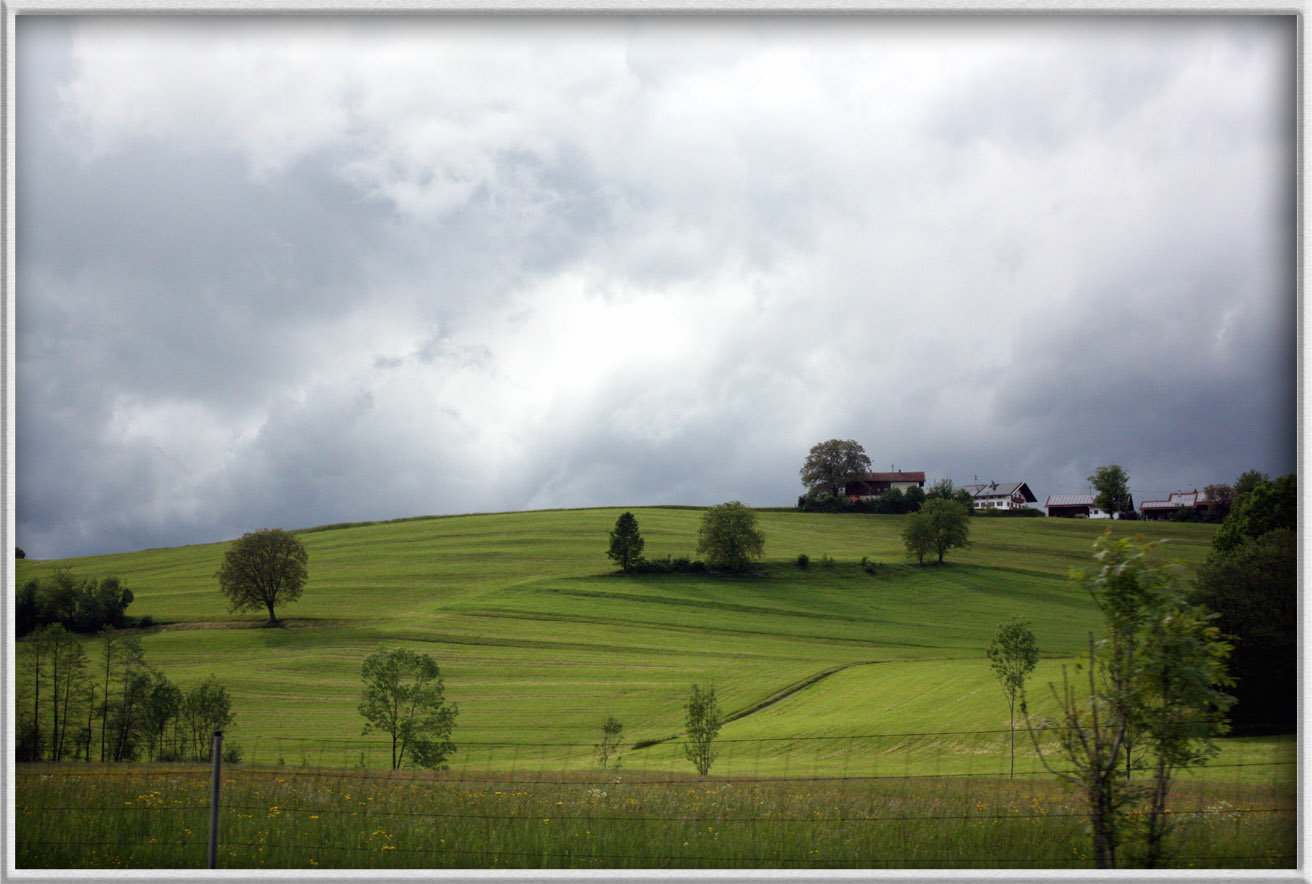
[{"x": 824, "y": 672}]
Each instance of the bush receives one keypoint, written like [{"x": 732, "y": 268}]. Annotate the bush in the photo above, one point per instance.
[
  {"x": 232, "y": 754},
  {"x": 803, "y": 560},
  {"x": 826, "y": 562},
  {"x": 667, "y": 565}
]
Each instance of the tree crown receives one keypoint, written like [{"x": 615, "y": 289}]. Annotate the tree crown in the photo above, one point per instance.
[
  {"x": 262, "y": 569},
  {"x": 729, "y": 537},
  {"x": 829, "y": 465}
]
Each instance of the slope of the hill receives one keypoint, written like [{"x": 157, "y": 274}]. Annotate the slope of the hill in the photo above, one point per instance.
[{"x": 539, "y": 641}]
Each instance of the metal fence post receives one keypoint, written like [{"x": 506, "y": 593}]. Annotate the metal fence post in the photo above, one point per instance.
[{"x": 214, "y": 798}]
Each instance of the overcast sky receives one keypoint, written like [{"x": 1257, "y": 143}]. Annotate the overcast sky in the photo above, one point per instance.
[{"x": 279, "y": 273}]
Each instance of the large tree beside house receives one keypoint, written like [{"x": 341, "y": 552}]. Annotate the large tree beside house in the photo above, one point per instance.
[
  {"x": 1111, "y": 486},
  {"x": 830, "y": 465}
]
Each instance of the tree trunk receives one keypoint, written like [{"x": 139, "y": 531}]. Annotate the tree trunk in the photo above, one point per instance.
[{"x": 272, "y": 619}]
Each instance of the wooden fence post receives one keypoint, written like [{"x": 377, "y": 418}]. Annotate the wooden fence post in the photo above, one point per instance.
[{"x": 214, "y": 798}]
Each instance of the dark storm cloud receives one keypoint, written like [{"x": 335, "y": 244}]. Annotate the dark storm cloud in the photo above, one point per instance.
[{"x": 308, "y": 271}]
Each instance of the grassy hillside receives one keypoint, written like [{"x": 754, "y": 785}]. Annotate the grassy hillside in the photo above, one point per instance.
[{"x": 539, "y": 641}]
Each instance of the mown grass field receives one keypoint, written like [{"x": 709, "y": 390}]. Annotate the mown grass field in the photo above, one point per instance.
[{"x": 834, "y": 672}]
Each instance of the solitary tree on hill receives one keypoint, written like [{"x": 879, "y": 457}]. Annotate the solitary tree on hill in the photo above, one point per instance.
[
  {"x": 729, "y": 537},
  {"x": 703, "y": 724},
  {"x": 625, "y": 542},
  {"x": 832, "y": 464},
  {"x": 263, "y": 569},
  {"x": 403, "y": 698},
  {"x": 939, "y": 526}
]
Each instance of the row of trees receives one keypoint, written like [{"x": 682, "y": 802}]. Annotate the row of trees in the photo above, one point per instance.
[
  {"x": 113, "y": 707},
  {"x": 728, "y": 538},
  {"x": 79, "y": 604}
]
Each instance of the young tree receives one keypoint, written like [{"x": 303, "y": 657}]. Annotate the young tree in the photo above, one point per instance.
[
  {"x": 1111, "y": 486},
  {"x": 205, "y": 708},
  {"x": 918, "y": 535},
  {"x": 402, "y": 698},
  {"x": 162, "y": 704},
  {"x": 703, "y": 725},
  {"x": 1013, "y": 654},
  {"x": 830, "y": 465},
  {"x": 729, "y": 537},
  {"x": 625, "y": 543},
  {"x": 67, "y": 672},
  {"x": 939, "y": 526},
  {"x": 612, "y": 731},
  {"x": 263, "y": 569},
  {"x": 1157, "y": 673},
  {"x": 124, "y": 652}
]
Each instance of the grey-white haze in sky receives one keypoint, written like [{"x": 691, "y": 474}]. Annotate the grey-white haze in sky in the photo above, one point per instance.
[{"x": 284, "y": 272}]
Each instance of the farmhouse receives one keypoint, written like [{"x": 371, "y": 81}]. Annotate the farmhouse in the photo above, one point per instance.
[
  {"x": 1005, "y": 496},
  {"x": 1073, "y": 506},
  {"x": 873, "y": 485},
  {"x": 1196, "y": 501}
]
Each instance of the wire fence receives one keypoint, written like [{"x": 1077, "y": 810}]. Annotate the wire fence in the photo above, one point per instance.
[{"x": 767, "y": 804}]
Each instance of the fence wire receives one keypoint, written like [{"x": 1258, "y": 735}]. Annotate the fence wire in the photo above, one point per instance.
[{"x": 517, "y": 806}]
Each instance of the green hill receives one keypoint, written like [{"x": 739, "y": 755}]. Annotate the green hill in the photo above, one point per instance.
[{"x": 539, "y": 640}]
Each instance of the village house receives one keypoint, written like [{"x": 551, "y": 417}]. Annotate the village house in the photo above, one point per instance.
[
  {"x": 1004, "y": 496},
  {"x": 873, "y": 485},
  {"x": 1074, "y": 506},
  {"x": 1195, "y": 501}
]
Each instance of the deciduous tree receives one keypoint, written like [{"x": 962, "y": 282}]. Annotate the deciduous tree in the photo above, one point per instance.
[
  {"x": 1111, "y": 486},
  {"x": 1013, "y": 654},
  {"x": 263, "y": 569},
  {"x": 729, "y": 537},
  {"x": 612, "y": 731},
  {"x": 702, "y": 725},
  {"x": 403, "y": 698},
  {"x": 830, "y": 465},
  {"x": 1158, "y": 672},
  {"x": 939, "y": 526}
]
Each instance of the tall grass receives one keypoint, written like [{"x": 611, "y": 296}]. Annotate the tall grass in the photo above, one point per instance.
[{"x": 157, "y": 817}]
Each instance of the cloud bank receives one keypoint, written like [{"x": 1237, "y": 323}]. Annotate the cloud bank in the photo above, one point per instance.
[{"x": 283, "y": 272}]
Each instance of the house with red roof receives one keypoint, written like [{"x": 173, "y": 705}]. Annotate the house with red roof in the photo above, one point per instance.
[{"x": 873, "y": 485}]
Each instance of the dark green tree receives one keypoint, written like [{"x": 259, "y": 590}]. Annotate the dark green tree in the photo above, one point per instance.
[
  {"x": 403, "y": 698},
  {"x": 939, "y": 526},
  {"x": 625, "y": 543},
  {"x": 702, "y": 725},
  {"x": 729, "y": 537},
  {"x": 263, "y": 569},
  {"x": 1111, "y": 486},
  {"x": 1252, "y": 585},
  {"x": 830, "y": 465},
  {"x": 1269, "y": 506},
  {"x": 1013, "y": 653},
  {"x": 1248, "y": 480}
]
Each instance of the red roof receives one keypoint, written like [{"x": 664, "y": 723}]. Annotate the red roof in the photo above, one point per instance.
[{"x": 892, "y": 477}]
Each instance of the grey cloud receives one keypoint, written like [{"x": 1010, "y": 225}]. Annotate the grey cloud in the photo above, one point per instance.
[{"x": 662, "y": 284}]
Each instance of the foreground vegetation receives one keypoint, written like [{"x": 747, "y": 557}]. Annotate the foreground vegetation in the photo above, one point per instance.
[{"x": 302, "y": 819}]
